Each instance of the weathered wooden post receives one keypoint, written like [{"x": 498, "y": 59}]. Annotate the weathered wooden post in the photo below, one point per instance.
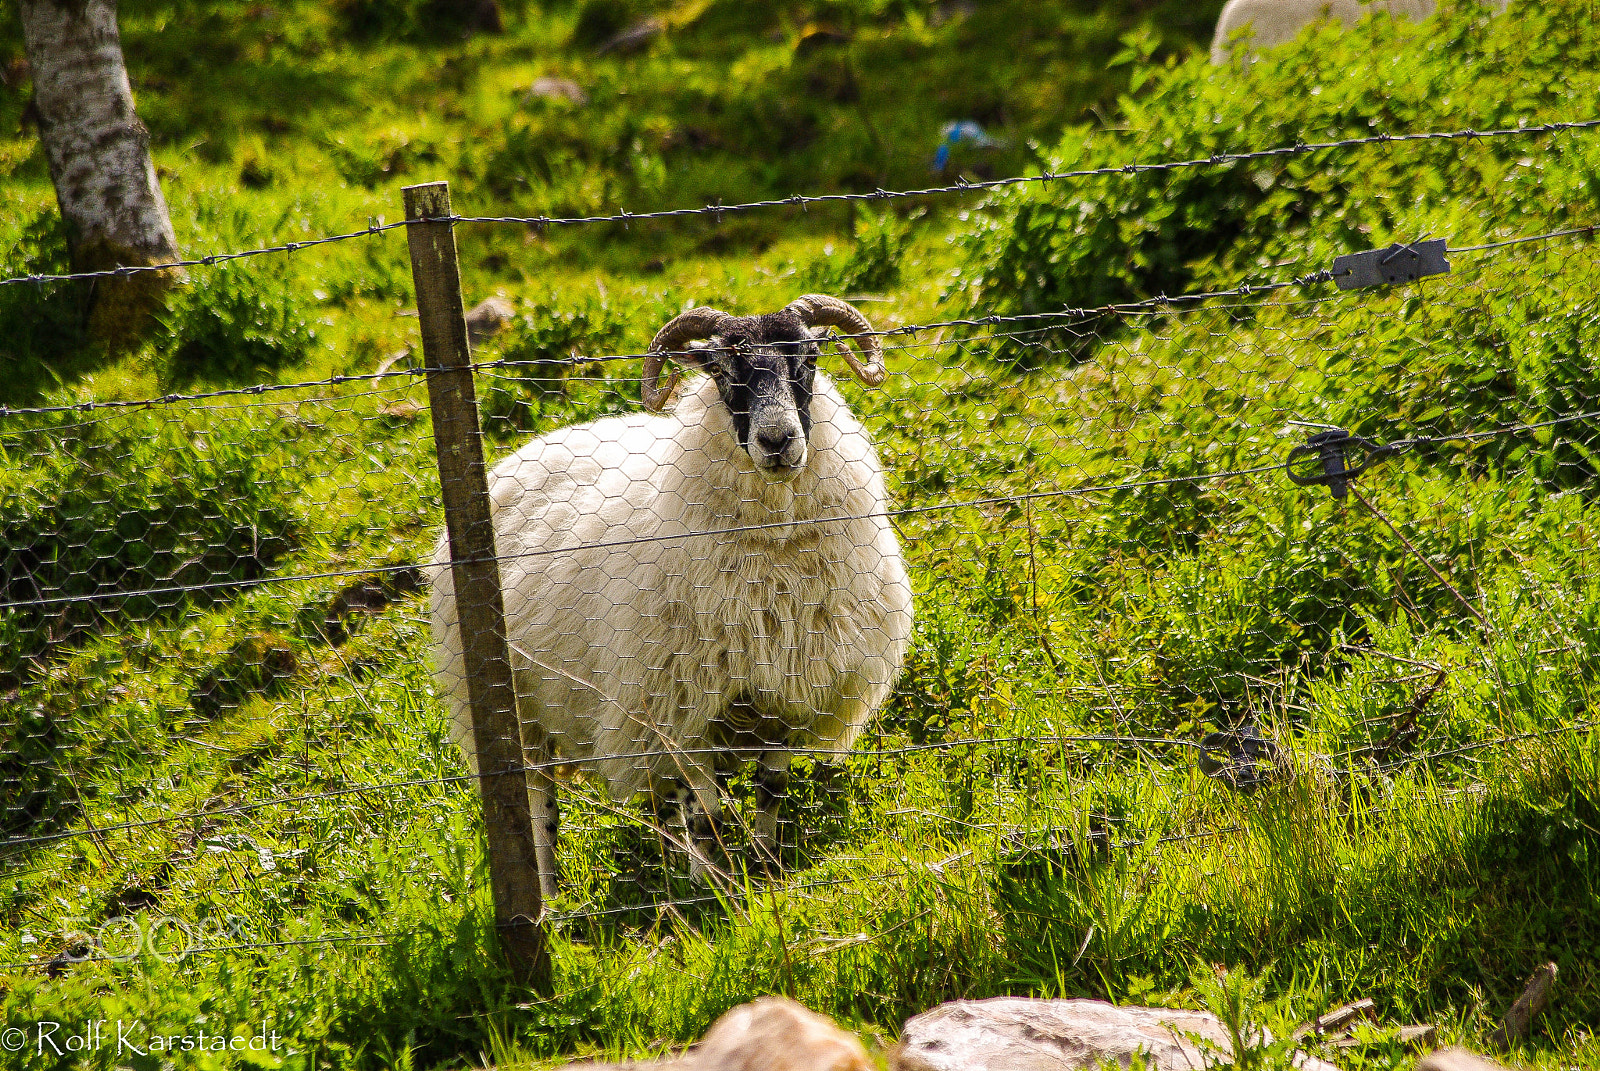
[{"x": 508, "y": 826}]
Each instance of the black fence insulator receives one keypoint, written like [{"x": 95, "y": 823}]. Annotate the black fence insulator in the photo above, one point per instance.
[{"x": 1330, "y": 447}]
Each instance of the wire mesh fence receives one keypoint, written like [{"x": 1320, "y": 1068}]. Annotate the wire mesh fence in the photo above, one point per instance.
[{"x": 841, "y": 607}]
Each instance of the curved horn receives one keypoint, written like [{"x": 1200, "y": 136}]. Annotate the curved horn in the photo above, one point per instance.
[
  {"x": 821, "y": 310},
  {"x": 681, "y": 330}
]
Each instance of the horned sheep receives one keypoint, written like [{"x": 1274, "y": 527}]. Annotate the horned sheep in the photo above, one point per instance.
[
  {"x": 703, "y": 584},
  {"x": 1275, "y": 22}
]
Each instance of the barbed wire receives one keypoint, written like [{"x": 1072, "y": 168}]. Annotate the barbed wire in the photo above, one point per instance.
[
  {"x": 245, "y": 583},
  {"x": 205, "y": 261},
  {"x": 717, "y": 211},
  {"x": 891, "y": 514},
  {"x": 1059, "y": 319},
  {"x": 962, "y": 185},
  {"x": 554, "y": 764},
  {"x": 1064, "y": 318},
  {"x": 1014, "y": 837}
]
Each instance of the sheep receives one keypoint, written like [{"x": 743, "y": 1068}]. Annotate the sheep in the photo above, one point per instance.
[
  {"x": 1274, "y": 22},
  {"x": 698, "y": 585}
]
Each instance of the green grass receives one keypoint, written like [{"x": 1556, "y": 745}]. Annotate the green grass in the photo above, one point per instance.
[{"x": 1392, "y": 854}]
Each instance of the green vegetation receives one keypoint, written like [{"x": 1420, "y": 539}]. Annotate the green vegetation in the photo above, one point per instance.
[{"x": 1429, "y": 830}]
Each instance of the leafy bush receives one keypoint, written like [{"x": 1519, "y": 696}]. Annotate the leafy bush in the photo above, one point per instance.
[
  {"x": 233, "y": 323},
  {"x": 1512, "y": 358},
  {"x": 41, "y": 324},
  {"x": 126, "y": 505},
  {"x": 1103, "y": 239},
  {"x": 377, "y": 271},
  {"x": 544, "y": 339},
  {"x": 873, "y": 262}
]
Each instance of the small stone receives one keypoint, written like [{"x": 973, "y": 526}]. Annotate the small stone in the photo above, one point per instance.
[
  {"x": 1021, "y": 1034},
  {"x": 404, "y": 411},
  {"x": 549, "y": 88},
  {"x": 488, "y": 317},
  {"x": 774, "y": 1034},
  {"x": 770, "y": 1034}
]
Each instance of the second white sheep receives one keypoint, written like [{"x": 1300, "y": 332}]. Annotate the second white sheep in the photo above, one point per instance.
[{"x": 1276, "y": 22}]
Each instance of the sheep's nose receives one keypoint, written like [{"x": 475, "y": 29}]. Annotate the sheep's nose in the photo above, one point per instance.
[{"x": 775, "y": 441}]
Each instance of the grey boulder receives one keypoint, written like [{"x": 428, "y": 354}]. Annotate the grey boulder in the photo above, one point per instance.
[{"x": 1021, "y": 1034}]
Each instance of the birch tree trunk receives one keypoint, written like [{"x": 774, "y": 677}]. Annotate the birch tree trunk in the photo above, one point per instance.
[{"x": 99, "y": 157}]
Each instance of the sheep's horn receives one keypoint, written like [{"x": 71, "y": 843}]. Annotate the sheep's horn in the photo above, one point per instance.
[
  {"x": 821, "y": 310},
  {"x": 689, "y": 327}
]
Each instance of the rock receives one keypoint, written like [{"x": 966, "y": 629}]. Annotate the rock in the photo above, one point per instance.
[
  {"x": 1020, "y": 1034},
  {"x": 555, "y": 89},
  {"x": 488, "y": 317},
  {"x": 405, "y": 411},
  {"x": 774, "y": 1034},
  {"x": 770, "y": 1034},
  {"x": 1457, "y": 1060}
]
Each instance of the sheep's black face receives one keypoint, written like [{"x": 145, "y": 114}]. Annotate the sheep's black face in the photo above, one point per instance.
[{"x": 765, "y": 368}]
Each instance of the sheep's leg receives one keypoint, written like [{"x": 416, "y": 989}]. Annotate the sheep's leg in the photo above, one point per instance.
[
  {"x": 545, "y": 812},
  {"x": 694, "y": 814},
  {"x": 772, "y": 788},
  {"x": 704, "y": 824}
]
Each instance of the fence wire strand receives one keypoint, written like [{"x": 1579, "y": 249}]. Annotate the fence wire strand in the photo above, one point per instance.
[
  {"x": 1063, "y": 319},
  {"x": 716, "y": 212}
]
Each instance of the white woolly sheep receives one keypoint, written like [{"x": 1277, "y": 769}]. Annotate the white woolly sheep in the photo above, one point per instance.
[
  {"x": 1275, "y": 22},
  {"x": 689, "y": 590}
]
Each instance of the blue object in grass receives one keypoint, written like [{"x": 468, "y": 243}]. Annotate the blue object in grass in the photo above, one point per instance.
[{"x": 955, "y": 133}]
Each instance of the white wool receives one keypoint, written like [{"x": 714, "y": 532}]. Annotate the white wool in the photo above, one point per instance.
[
  {"x": 1276, "y": 22},
  {"x": 635, "y": 617}
]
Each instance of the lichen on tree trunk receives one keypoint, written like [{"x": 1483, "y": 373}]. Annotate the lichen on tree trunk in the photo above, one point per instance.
[{"x": 99, "y": 157}]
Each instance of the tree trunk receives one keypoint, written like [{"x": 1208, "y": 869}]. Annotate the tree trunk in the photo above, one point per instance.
[{"x": 99, "y": 156}]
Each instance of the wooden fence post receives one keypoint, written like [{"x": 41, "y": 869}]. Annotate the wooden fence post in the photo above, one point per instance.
[{"x": 480, "y": 608}]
